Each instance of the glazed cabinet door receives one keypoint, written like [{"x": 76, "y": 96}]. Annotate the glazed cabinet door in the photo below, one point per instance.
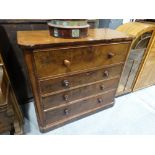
[{"x": 130, "y": 71}]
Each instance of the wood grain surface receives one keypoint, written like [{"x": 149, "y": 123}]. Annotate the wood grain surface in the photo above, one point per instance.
[
  {"x": 34, "y": 39},
  {"x": 141, "y": 73},
  {"x": 73, "y": 78}
]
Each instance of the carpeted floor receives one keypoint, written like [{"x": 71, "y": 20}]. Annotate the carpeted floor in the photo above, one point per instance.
[{"x": 133, "y": 113}]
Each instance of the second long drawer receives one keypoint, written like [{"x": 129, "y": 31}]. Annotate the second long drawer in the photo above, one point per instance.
[
  {"x": 78, "y": 93},
  {"x": 66, "y": 82}
]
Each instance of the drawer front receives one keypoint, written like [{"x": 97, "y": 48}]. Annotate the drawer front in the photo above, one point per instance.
[
  {"x": 67, "y": 82},
  {"x": 76, "y": 94},
  {"x": 79, "y": 108},
  {"x": 61, "y": 61}
]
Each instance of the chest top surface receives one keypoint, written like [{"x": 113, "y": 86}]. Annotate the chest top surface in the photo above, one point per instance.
[{"x": 37, "y": 39}]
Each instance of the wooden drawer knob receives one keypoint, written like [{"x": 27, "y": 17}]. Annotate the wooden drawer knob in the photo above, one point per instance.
[
  {"x": 65, "y": 97},
  {"x": 106, "y": 73},
  {"x": 66, "y": 111},
  {"x": 67, "y": 63},
  {"x": 65, "y": 83},
  {"x": 100, "y": 100},
  {"x": 102, "y": 87},
  {"x": 88, "y": 73},
  {"x": 111, "y": 55}
]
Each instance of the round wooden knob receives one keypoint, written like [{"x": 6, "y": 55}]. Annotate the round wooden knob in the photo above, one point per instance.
[
  {"x": 110, "y": 55},
  {"x": 66, "y": 83},
  {"x": 102, "y": 87},
  {"x": 65, "y": 97},
  {"x": 106, "y": 73},
  {"x": 88, "y": 73},
  {"x": 100, "y": 100},
  {"x": 67, "y": 63},
  {"x": 66, "y": 111}
]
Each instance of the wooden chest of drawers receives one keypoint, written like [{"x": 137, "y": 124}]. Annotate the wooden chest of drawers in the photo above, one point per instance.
[{"x": 72, "y": 78}]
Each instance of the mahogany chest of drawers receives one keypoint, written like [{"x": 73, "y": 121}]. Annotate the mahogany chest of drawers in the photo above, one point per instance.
[{"x": 73, "y": 78}]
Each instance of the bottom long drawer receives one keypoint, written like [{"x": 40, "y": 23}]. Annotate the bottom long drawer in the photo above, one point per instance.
[{"x": 68, "y": 112}]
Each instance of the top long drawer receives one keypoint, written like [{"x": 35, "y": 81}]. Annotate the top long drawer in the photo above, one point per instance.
[{"x": 52, "y": 62}]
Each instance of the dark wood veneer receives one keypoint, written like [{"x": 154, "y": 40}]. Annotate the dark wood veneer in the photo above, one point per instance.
[{"x": 73, "y": 78}]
